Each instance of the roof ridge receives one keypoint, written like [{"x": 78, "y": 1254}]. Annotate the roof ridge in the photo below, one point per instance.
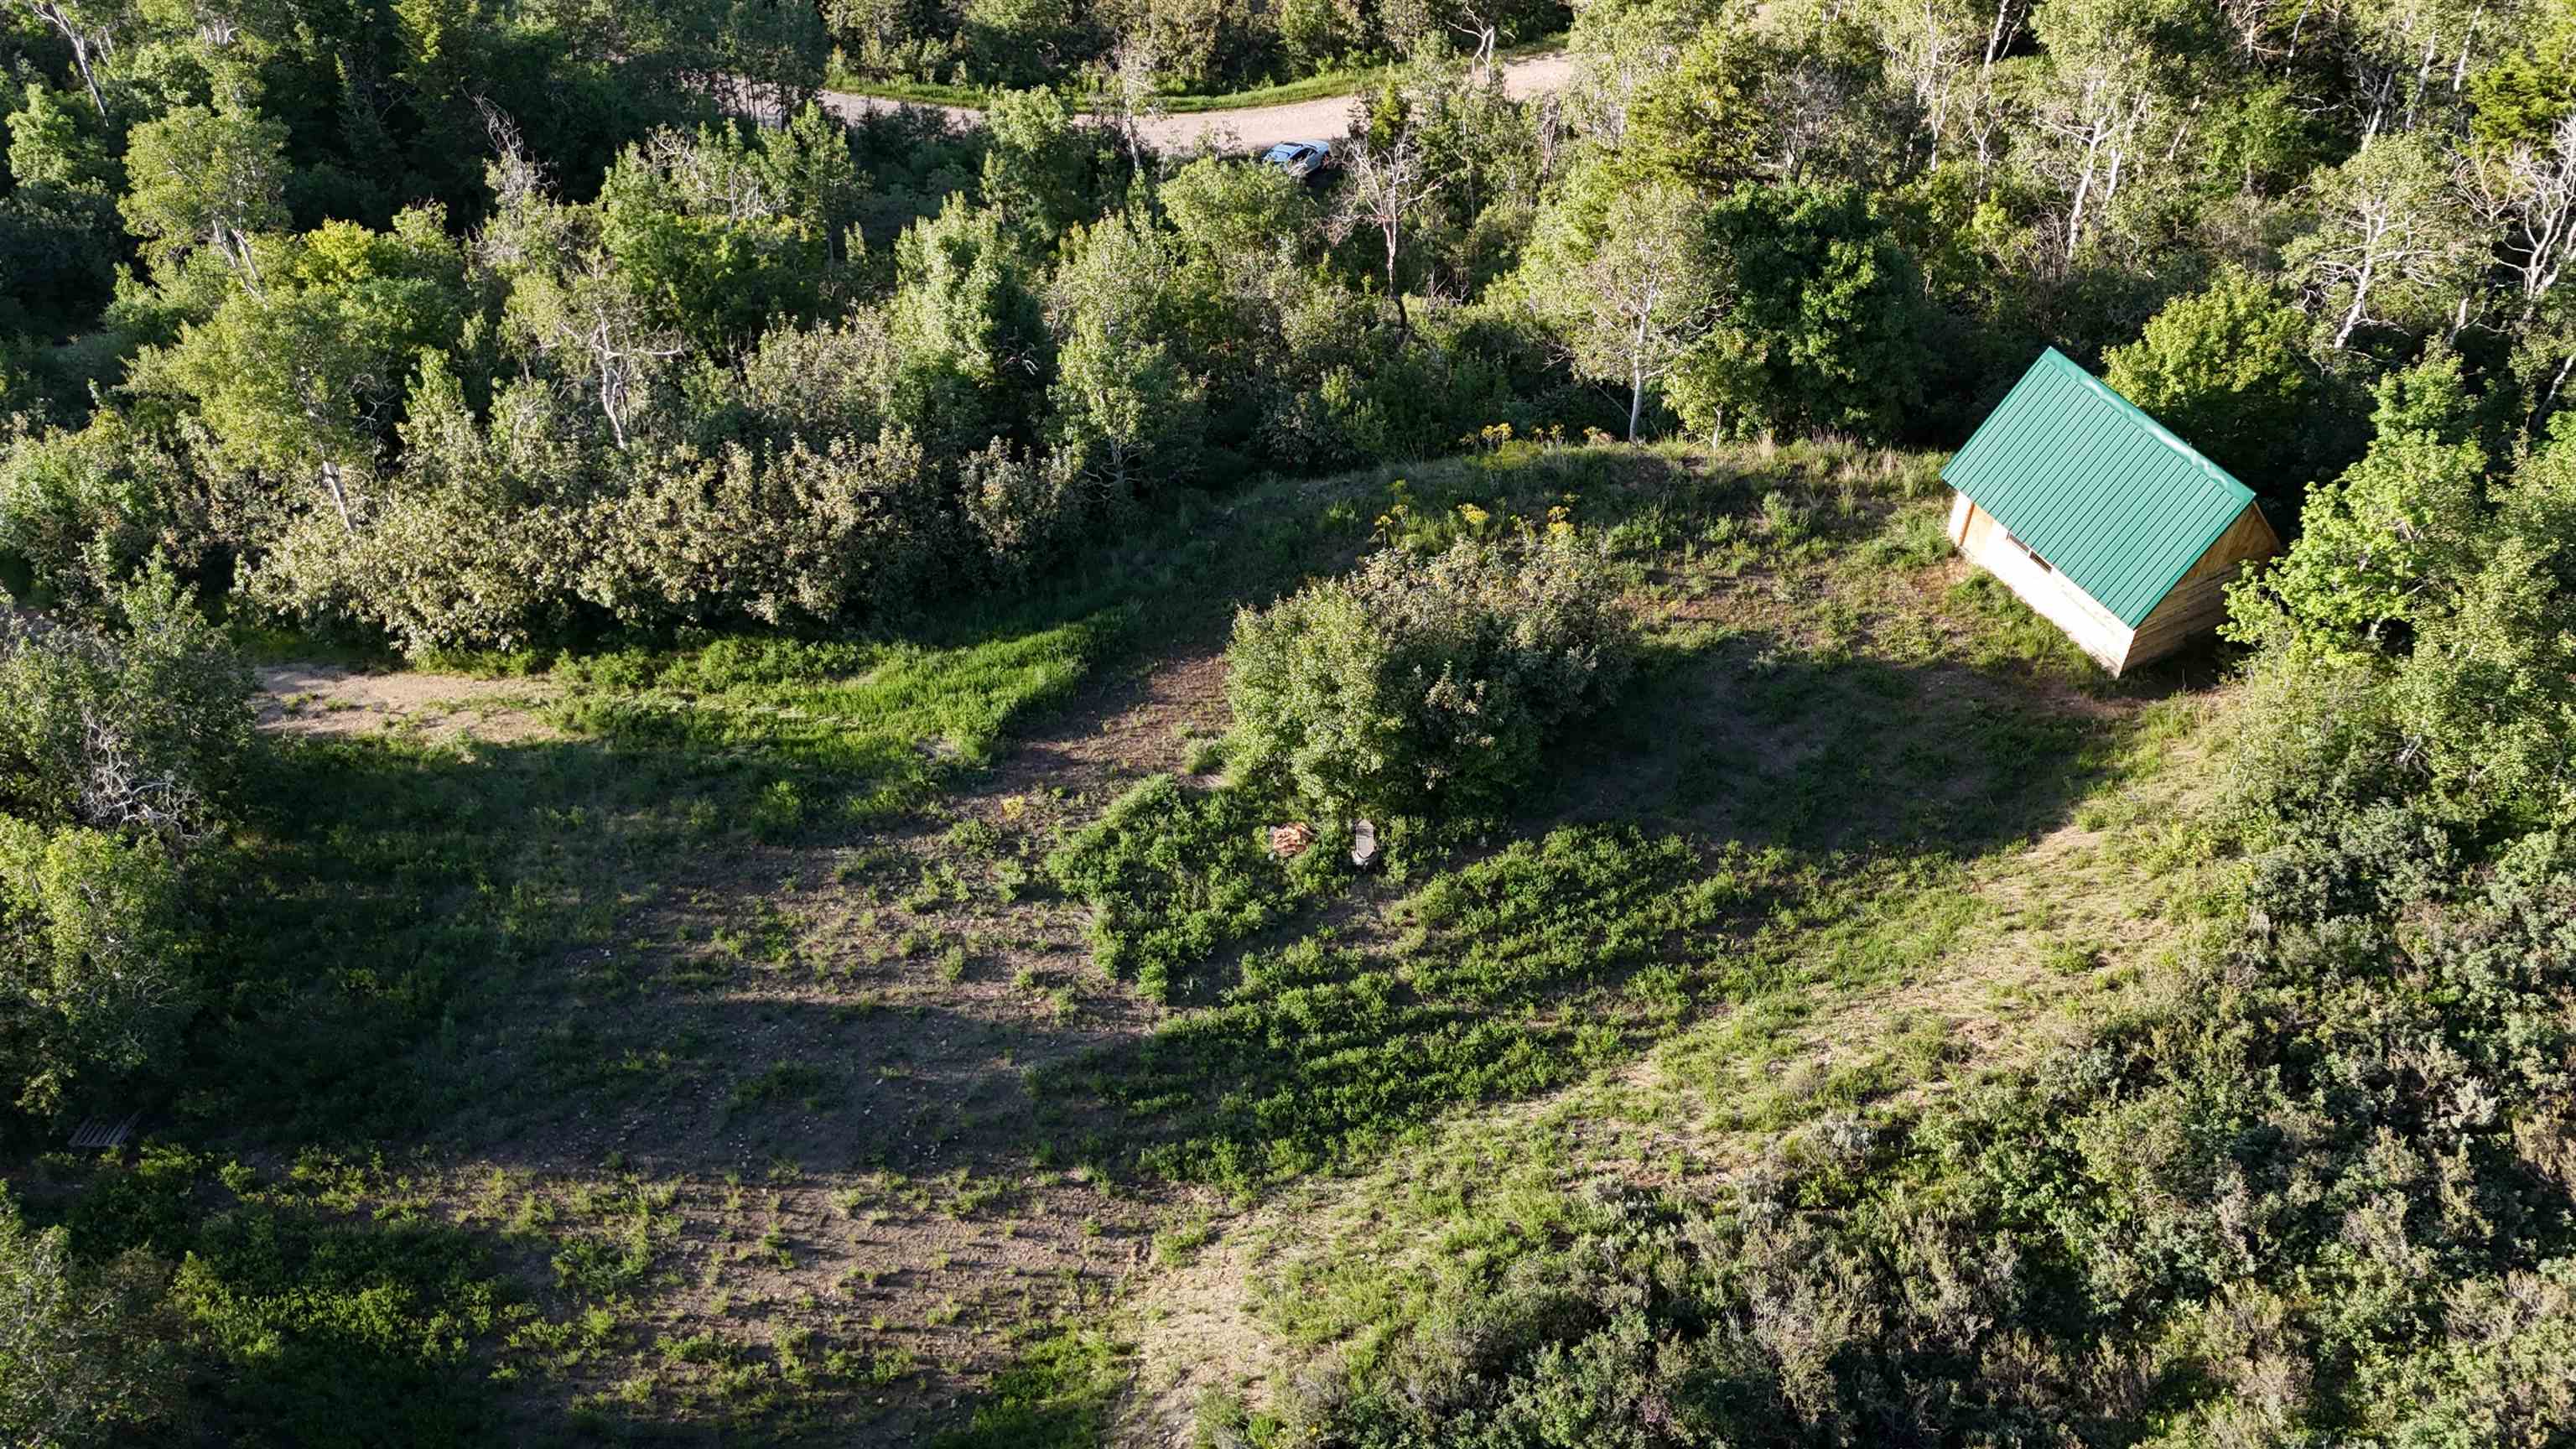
[
  {"x": 2167, "y": 436},
  {"x": 2113, "y": 499}
]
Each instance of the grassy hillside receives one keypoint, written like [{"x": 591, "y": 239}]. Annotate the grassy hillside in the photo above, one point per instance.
[{"x": 698, "y": 1039}]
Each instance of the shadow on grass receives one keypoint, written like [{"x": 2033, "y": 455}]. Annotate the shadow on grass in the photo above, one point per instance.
[
  {"x": 1752, "y": 820},
  {"x": 1750, "y": 738},
  {"x": 304, "y": 1322}
]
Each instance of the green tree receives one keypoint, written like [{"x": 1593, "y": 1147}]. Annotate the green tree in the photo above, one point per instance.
[
  {"x": 50, "y": 145},
  {"x": 1626, "y": 279},
  {"x": 2383, "y": 546},
  {"x": 2393, "y": 248},
  {"x": 968, "y": 330},
  {"x": 119, "y": 749},
  {"x": 2526, "y": 93},
  {"x": 1125, "y": 399},
  {"x": 1040, "y": 162},
  {"x": 705, "y": 232},
  {"x": 2226, "y": 367},
  {"x": 87, "y": 29},
  {"x": 1821, "y": 320},
  {"x": 206, "y": 178},
  {"x": 302, "y": 380},
  {"x": 74, "y": 501},
  {"x": 88, "y": 1353}
]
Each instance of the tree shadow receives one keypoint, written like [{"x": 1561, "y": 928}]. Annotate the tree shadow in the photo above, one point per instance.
[
  {"x": 1754, "y": 738},
  {"x": 1737, "y": 781}
]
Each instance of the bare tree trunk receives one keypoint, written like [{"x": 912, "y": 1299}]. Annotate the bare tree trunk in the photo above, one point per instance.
[
  {"x": 2423, "y": 78},
  {"x": 1403, "y": 322},
  {"x": 2360, "y": 299},
  {"x": 81, "y": 44},
  {"x": 339, "y": 494},
  {"x": 608, "y": 402},
  {"x": 2005, "y": 26},
  {"x": 2083, "y": 191},
  {"x": 89, "y": 77},
  {"x": 240, "y": 252},
  {"x": 2555, "y": 383}
]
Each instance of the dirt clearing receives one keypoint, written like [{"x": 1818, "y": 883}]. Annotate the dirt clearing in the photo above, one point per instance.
[{"x": 325, "y": 700}]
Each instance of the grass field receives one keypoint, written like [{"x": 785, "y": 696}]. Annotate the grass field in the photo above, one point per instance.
[{"x": 723, "y": 1037}]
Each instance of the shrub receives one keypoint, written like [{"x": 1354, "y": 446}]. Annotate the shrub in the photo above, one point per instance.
[
  {"x": 93, "y": 957},
  {"x": 116, "y": 752},
  {"x": 1171, "y": 874},
  {"x": 143, "y": 729},
  {"x": 85, "y": 1351},
  {"x": 1423, "y": 683},
  {"x": 789, "y": 537},
  {"x": 75, "y": 505}
]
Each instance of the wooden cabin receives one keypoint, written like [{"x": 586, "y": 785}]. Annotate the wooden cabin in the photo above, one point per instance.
[{"x": 2105, "y": 523}]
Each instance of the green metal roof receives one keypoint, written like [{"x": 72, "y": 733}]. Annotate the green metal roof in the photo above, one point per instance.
[{"x": 2107, "y": 495}]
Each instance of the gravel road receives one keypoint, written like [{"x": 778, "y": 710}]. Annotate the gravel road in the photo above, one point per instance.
[{"x": 1252, "y": 127}]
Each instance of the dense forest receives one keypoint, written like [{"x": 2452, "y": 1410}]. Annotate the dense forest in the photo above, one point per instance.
[
  {"x": 477, "y": 332},
  {"x": 579, "y": 337}
]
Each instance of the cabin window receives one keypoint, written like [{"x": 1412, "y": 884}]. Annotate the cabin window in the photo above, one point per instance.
[{"x": 2034, "y": 553}]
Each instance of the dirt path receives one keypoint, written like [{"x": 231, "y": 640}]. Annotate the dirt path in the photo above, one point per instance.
[
  {"x": 1249, "y": 128},
  {"x": 323, "y": 699}
]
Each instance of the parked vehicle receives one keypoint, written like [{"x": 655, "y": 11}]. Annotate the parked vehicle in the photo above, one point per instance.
[{"x": 1304, "y": 160}]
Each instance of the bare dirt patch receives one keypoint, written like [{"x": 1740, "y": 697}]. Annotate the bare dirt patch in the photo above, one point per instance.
[
  {"x": 325, "y": 700},
  {"x": 822, "y": 1049},
  {"x": 1242, "y": 128}
]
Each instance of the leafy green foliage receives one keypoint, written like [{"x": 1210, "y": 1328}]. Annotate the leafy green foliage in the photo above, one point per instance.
[
  {"x": 1525, "y": 970},
  {"x": 1824, "y": 325},
  {"x": 321, "y": 1325},
  {"x": 76, "y": 505},
  {"x": 884, "y": 720},
  {"x": 1422, "y": 684},
  {"x": 143, "y": 726},
  {"x": 2225, "y": 370},
  {"x": 87, "y": 1355},
  {"x": 95, "y": 948},
  {"x": 2385, "y": 545},
  {"x": 1056, "y": 1395},
  {"x": 119, "y": 751},
  {"x": 1172, "y": 873}
]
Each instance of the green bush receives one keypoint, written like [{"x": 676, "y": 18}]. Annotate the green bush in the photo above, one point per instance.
[
  {"x": 86, "y": 1352},
  {"x": 1422, "y": 684},
  {"x": 95, "y": 944},
  {"x": 118, "y": 751},
  {"x": 75, "y": 505},
  {"x": 143, "y": 727},
  {"x": 1171, "y": 874}
]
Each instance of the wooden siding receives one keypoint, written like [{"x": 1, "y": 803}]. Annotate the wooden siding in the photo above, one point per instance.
[
  {"x": 2195, "y": 605},
  {"x": 2198, "y": 603},
  {"x": 2095, "y": 629}
]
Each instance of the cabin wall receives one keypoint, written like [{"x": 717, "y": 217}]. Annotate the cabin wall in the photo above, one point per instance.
[
  {"x": 2198, "y": 604},
  {"x": 2095, "y": 630}
]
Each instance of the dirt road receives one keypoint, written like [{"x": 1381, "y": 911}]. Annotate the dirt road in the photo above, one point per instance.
[{"x": 1253, "y": 126}]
